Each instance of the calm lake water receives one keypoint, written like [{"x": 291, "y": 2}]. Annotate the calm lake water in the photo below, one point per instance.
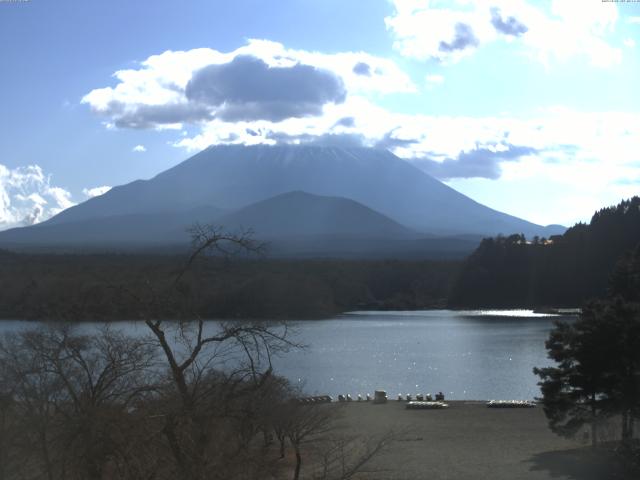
[{"x": 465, "y": 354}]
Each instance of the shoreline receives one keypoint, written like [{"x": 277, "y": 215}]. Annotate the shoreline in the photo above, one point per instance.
[{"x": 541, "y": 312}]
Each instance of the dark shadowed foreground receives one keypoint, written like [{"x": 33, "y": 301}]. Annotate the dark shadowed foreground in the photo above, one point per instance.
[{"x": 470, "y": 441}]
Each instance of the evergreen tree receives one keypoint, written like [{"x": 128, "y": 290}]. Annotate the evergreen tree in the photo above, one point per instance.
[
  {"x": 575, "y": 392},
  {"x": 625, "y": 279},
  {"x": 565, "y": 271},
  {"x": 598, "y": 361},
  {"x": 624, "y": 319}
]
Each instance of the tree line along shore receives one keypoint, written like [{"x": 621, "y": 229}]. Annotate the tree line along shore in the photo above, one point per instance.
[
  {"x": 503, "y": 272},
  {"x": 35, "y": 286}
]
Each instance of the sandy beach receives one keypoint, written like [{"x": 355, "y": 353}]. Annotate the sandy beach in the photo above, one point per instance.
[{"x": 470, "y": 441}]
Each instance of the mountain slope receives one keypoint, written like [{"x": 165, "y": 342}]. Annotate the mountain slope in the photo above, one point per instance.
[
  {"x": 232, "y": 177},
  {"x": 294, "y": 221},
  {"x": 136, "y": 229},
  {"x": 303, "y": 214}
]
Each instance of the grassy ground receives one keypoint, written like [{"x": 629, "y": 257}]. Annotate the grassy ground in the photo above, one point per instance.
[{"x": 470, "y": 441}]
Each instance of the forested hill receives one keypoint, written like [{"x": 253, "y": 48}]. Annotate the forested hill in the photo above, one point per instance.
[
  {"x": 111, "y": 286},
  {"x": 564, "y": 270}
]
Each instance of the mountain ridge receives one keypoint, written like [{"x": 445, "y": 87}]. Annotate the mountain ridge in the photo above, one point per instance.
[
  {"x": 231, "y": 177},
  {"x": 301, "y": 217},
  {"x": 302, "y": 213},
  {"x": 300, "y": 196}
]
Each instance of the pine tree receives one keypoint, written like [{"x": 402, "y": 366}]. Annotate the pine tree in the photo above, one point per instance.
[{"x": 575, "y": 392}]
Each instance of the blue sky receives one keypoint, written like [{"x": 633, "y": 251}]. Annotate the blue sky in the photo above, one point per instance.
[{"x": 531, "y": 107}]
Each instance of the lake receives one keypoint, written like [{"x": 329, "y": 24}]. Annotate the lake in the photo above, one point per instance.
[
  {"x": 476, "y": 355},
  {"x": 465, "y": 354}
]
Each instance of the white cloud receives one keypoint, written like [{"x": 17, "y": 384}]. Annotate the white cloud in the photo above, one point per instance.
[
  {"x": 139, "y": 148},
  {"x": 155, "y": 94},
  {"x": 27, "y": 196},
  {"x": 61, "y": 197},
  {"x": 95, "y": 191},
  {"x": 569, "y": 28},
  {"x": 434, "y": 79},
  {"x": 633, "y": 20},
  {"x": 585, "y": 161},
  {"x": 629, "y": 42},
  {"x": 557, "y": 136},
  {"x": 577, "y": 28},
  {"x": 422, "y": 31}
]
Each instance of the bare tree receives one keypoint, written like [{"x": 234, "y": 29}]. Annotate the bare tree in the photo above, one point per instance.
[
  {"x": 303, "y": 423},
  {"x": 238, "y": 353},
  {"x": 333, "y": 454},
  {"x": 70, "y": 393}
]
